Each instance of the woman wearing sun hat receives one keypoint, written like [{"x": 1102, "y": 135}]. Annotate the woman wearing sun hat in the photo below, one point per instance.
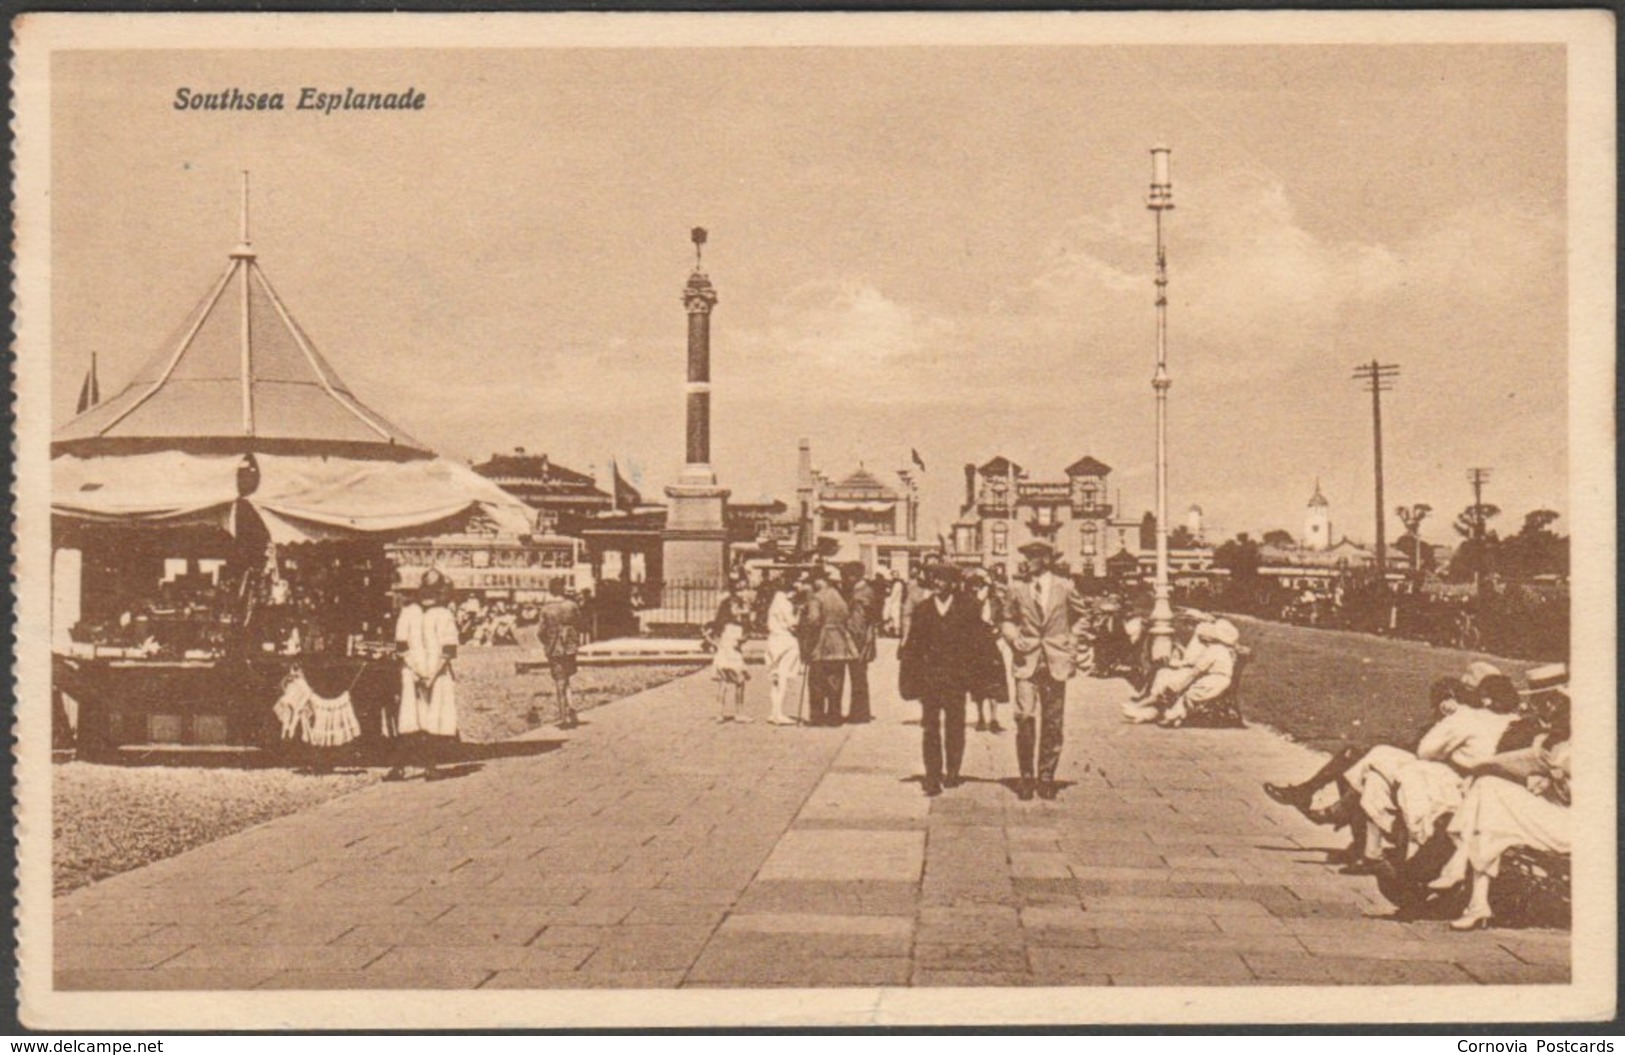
[{"x": 426, "y": 640}]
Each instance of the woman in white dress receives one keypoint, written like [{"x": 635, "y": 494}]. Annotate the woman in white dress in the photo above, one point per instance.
[
  {"x": 783, "y": 650},
  {"x": 1499, "y": 812},
  {"x": 426, "y": 640}
]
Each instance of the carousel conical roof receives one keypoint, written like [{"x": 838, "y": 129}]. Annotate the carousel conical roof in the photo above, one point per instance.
[{"x": 240, "y": 375}]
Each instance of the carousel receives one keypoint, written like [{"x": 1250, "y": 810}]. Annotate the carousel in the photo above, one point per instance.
[{"x": 220, "y": 575}]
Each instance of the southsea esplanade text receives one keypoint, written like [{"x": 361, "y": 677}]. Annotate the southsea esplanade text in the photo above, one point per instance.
[{"x": 311, "y": 100}]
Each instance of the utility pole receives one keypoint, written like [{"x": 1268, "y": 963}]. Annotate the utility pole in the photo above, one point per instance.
[
  {"x": 1378, "y": 378},
  {"x": 1478, "y": 478}
]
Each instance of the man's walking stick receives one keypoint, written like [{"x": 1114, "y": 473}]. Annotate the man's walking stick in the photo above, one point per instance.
[{"x": 801, "y": 694}]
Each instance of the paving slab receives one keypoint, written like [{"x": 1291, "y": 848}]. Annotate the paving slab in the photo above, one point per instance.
[{"x": 657, "y": 849}]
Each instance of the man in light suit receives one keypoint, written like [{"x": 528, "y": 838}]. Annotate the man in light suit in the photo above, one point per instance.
[
  {"x": 830, "y": 649},
  {"x": 1037, "y": 623}
]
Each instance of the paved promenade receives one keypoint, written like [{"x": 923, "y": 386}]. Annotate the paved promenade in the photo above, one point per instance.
[{"x": 653, "y": 848}]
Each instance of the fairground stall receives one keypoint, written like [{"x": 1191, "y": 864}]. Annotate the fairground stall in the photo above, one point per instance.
[{"x": 220, "y": 579}]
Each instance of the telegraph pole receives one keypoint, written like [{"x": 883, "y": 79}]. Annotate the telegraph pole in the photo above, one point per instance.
[
  {"x": 1478, "y": 478},
  {"x": 1378, "y": 378}
]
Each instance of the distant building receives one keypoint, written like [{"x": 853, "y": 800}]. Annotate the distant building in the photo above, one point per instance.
[
  {"x": 1317, "y": 563},
  {"x": 862, "y": 518},
  {"x": 1303, "y": 568},
  {"x": 553, "y": 490},
  {"x": 1193, "y": 523},
  {"x": 486, "y": 563},
  {"x": 1003, "y": 510}
]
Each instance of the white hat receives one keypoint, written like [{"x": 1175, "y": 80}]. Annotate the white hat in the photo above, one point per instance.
[{"x": 1221, "y": 630}]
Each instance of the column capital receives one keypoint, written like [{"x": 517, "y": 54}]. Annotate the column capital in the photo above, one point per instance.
[{"x": 699, "y": 296}]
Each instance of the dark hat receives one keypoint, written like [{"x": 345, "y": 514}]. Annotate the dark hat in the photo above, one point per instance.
[
  {"x": 942, "y": 573},
  {"x": 852, "y": 569},
  {"x": 1039, "y": 548},
  {"x": 434, "y": 586}
]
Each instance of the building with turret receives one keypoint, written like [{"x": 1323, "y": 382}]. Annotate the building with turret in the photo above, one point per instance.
[
  {"x": 1317, "y": 522},
  {"x": 1003, "y": 510}
]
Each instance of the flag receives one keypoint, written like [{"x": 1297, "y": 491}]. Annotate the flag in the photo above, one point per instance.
[
  {"x": 917, "y": 459},
  {"x": 625, "y": 494},
  {"x": 90, "y": 393}
]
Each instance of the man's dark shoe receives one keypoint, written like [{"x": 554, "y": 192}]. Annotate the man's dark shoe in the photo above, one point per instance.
[
  {"x": 1047, "y": 790},
  {"x": 1024, "y": 791},
  {"x": 1287, "y": 795},
  {"x": 952, "y": 780},
  {"x": 933, "y": 790}
]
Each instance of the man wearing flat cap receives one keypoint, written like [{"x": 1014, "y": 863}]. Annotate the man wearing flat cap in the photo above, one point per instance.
[{"x": 1036, "y": 622}]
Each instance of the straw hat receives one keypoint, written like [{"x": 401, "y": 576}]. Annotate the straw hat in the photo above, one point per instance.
[{"x": 1551, "y": 677}]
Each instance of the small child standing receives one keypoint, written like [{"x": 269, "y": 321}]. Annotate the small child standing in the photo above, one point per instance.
[{"x": 727, "y": 634}]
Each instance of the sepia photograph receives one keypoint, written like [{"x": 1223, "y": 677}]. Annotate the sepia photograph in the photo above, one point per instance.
[{"x": 785, "y": 520}]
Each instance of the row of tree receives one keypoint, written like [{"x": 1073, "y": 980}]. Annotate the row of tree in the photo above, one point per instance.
[{"x": 1534, "y": 550}]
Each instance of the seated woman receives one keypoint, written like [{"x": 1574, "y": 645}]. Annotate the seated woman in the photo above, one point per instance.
[
  {"x": 1457, "y": 745},
  {"x": 1201, "y": 676},
  {"x": 1522, "y": 800}
]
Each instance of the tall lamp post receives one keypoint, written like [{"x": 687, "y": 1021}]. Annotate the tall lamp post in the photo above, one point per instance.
[{"x": 1160, "y": 201}]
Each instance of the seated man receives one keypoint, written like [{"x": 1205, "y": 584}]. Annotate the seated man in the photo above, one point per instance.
[
  {"x": 1445, "y": 694},
  {"x": 1460, "y": 742}
]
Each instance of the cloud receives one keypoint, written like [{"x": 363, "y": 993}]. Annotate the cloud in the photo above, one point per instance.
[{"x": 841, "y": 341}]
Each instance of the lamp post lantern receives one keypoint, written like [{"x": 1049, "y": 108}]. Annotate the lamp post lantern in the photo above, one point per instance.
[{"x": 1160, "y": 201}]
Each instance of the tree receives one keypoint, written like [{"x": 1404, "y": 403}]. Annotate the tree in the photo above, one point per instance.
[
  {"x": 1239, "y": 556},
  {"x": 1477, "y": 554},
  {"x": 1278, "y": 537},
  {"x": 1535, "y": 550},
  {"x": 1181, "y": 538},
  {"x": 1473, "y": 522},
  {"x": 1419, "y": 553},
  {"x": 1148, "y": 531}
]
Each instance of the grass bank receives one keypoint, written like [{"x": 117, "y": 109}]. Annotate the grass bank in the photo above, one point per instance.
[{"x": 1322, "y": 687}]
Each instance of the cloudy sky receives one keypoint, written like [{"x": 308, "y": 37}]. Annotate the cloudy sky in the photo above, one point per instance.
[{"x": 938, "y": 248}]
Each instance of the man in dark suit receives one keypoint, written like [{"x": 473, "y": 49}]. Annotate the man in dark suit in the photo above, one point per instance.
[
  {"x": 831, "y": 648},
  {"x": 1037, "y": 623},
  {"x": 864, "y": 611},
  {"x": 936, "y": 667}
]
